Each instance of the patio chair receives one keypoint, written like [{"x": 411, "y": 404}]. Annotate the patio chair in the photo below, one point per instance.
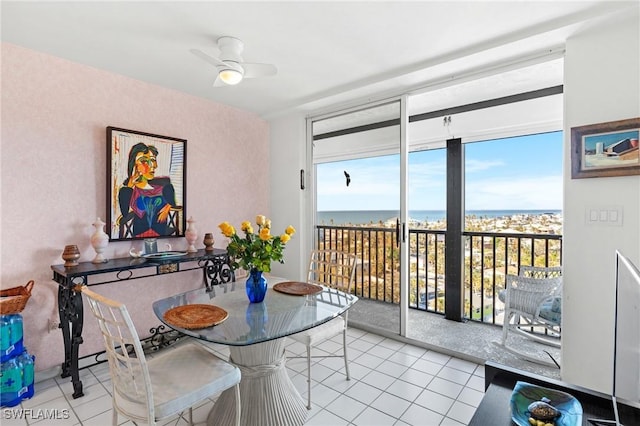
[
  {"x": 169, "y": 383},
  {"x": 551, "y": 308},
  {"x": 336, "y": 270},
  {"x": 533, "y": 303},
  {"x": 541, "y": 272}
]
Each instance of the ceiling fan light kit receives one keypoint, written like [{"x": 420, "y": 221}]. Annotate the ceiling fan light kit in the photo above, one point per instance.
[{"x": 230, "y": 76}]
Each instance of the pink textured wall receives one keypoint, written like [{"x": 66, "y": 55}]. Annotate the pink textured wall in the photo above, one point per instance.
[{"x": 53, "y": 156}]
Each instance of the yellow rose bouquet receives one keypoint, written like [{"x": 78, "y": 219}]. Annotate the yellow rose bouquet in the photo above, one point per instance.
[{"x": 256, "y": 250}]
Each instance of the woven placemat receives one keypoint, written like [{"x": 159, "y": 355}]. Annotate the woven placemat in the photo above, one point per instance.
[
  {"x": 297, "y": 288},
  {"x": 195, "y": 316}
]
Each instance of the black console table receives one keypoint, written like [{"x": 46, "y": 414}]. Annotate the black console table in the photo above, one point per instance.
[
  {"x": 214, "y": 264},
  {"x": 500, "y": 381}
]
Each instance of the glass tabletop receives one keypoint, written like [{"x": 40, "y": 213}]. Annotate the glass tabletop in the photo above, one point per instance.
[{"x": 279, "y": 315}]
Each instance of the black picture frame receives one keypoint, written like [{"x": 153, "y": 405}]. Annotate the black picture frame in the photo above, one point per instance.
[{"x": 146, "y": 176}]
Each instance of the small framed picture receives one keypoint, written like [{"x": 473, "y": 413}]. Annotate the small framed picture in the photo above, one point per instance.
[
  {"x": 146, "y": 188},
  {"x": 605, "y": 149}
]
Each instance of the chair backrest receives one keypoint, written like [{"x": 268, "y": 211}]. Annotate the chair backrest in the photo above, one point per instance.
[
  {"x": 127, "y": 362},
  {"x": 333, "y": 269},
  {"x": 526, "y": 294},
  {"x": 540, "y": 271}
]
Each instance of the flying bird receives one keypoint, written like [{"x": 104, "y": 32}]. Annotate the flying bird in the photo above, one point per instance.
[{"x": 346, "y": 175}]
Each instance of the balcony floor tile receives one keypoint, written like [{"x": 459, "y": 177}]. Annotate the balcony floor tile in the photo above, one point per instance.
[{"x": 469, "y": 341}]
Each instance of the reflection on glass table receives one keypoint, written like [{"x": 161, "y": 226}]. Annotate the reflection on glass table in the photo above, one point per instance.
[{"x": 255, "y": 334}]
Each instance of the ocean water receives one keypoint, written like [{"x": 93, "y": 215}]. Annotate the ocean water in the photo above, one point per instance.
[{"x": 357, "y": 217}]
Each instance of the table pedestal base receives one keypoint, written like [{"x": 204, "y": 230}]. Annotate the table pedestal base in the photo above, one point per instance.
[{"x": 267, "y": 395}]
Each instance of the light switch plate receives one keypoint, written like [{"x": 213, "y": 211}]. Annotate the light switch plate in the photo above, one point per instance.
[{"x": 603, "y": 215}]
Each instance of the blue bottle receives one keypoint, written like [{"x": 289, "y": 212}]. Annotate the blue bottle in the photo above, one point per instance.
[
  {"x": 26, "y": 362},
  {"x": 16, "y": 347},
  {"x": 11, "y": 383},
  {"x": 5, "y": 338}
]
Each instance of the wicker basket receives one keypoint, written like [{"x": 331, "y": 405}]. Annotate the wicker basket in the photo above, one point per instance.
[{"x": 13, "y": 300}]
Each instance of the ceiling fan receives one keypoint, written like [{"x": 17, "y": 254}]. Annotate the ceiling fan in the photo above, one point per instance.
[{"x": 231, "y": 68}]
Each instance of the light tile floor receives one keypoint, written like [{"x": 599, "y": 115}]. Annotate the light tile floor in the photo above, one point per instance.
[{"x": 392, "y": 383}]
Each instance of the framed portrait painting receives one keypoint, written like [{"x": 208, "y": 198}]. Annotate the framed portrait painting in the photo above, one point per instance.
[
  {"x": 605, "y": 149},
  {"x": 146, "y": 185}
]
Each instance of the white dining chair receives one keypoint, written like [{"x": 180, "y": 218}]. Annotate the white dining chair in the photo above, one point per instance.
[
  {"x": 337, "y": 270},
  {"x": 169, "y": 383}
]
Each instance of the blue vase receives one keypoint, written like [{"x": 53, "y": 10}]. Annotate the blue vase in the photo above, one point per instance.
[{"x": 256, "y": 286}]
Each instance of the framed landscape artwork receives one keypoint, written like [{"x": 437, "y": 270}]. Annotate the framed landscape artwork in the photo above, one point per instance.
[
  {"x": 605, "y": 149},
  {"x": 146, "y": 185}
]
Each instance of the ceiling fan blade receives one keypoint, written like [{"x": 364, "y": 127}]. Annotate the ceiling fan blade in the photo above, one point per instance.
[
  {"x": 218, "y": 82},
  {"x": 210, "y": 59},
  {"x": 258, "y": 70}
]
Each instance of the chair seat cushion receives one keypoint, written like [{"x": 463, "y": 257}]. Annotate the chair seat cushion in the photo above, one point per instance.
[
  {"x": 320, "y": 333},
  {"x": 181, "y": 377},
  {"x": 551, "y": 310}
]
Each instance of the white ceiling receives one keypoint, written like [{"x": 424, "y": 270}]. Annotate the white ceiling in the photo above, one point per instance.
[{"x": 327, "y": 53}]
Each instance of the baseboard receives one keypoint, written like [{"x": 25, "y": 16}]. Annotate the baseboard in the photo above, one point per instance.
[{"x": 41, "y": 376}]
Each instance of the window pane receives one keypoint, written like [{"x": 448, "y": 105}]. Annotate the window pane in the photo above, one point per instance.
[
  {"x": 428, "y": 189},
  {"x": 513, "y": 176}
]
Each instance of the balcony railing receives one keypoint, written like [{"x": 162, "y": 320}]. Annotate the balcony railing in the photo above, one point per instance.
[{"x": 489, "y": 257}]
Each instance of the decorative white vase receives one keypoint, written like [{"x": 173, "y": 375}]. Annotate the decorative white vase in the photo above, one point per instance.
[
  {"x": 191, "y": 235},
  {"x": 99, "y": 241}
]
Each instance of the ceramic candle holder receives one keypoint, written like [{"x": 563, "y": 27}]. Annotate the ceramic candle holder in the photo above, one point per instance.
[
  {"x": 208, "y": 241},
  {"x": 70, "y": 255}
]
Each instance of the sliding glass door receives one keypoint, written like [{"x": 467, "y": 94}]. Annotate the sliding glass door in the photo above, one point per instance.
[{"x": 358, "y": 185}]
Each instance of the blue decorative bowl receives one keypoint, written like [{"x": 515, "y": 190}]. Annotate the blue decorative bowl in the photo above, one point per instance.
[
  {"x": 526, "y": 393},
  {"x": 164, "y": 255}
]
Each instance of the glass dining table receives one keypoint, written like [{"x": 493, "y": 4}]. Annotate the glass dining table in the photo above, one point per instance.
[{"x": 255, "y": 334}]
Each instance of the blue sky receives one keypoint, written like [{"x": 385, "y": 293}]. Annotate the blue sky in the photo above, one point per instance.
[{"x": 522, "y": 173}]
